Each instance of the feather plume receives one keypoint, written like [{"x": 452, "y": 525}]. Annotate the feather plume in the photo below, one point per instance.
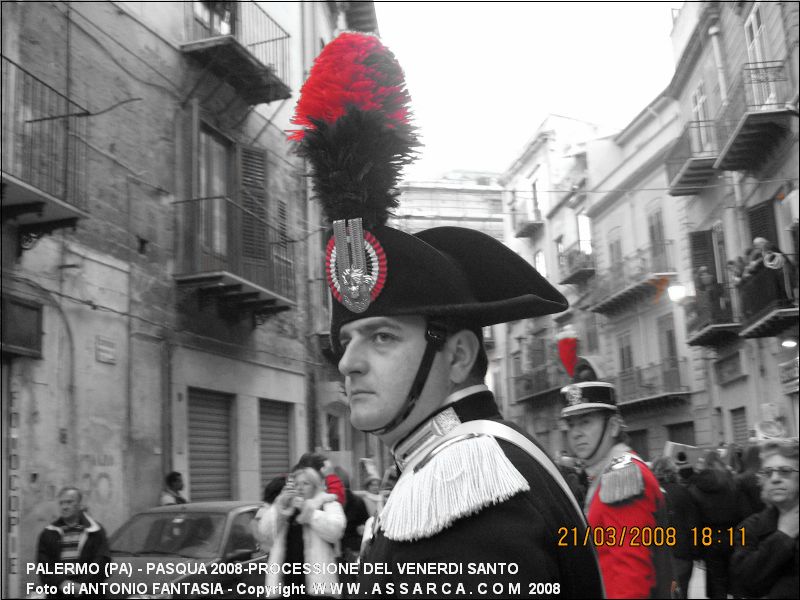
[{"x": 356, "y": 131}]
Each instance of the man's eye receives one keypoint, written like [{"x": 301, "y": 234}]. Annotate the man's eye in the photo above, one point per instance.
[{"x": 381, "y": 337}]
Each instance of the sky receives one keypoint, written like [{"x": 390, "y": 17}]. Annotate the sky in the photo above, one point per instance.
[{"x": 484, "y": 75}]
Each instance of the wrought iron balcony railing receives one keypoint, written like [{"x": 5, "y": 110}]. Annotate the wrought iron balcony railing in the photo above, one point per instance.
[
  {"x": 710, "y": 317},
  {"x": 667, "y": 378},
  {"x": 576, "y": 263},
  {"x": 217, "y": 235},
  {"x": 755, "y": 115},
  {"x": 690, "y": 162},
  {"x": 625, "y": 280},
  {"x": 769, "y": 301},
  {"x": 540, "y": 379},
  {"x": 526, "y": 218},
  {"x": 43, "y": 141},
  {"x": 214, "y": 24},
  {"x": 712, "y": 306}
]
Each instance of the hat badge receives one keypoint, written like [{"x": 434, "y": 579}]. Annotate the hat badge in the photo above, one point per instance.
[
  {"x": 574, "y": 395},
  {"x": 356, "y": 265}
]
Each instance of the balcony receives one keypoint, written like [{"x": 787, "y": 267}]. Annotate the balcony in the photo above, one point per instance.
[
  {"x": 756, "y": 117},
  {"x": 669, "y": 379},
  {"x": 44, "y": 156},
  {"x": 241, "y": 44},
  {"x": 544, "y": 379},
  {"x": 646, "y": 272},
  {"x": 234, "y": 256},
  {"x": 769, "y": 304},
  {"x": 576, "y": 263},
  {"x": 526, "y": 218},
  {"x": 690, "y": 162},
  {"x": 709, "y": 319}
]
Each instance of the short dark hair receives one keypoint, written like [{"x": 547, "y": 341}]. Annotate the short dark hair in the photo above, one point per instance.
[
  {"x": 273, "y": 488},
  {"x": 311, "y": 459},
  {"x": 172, "y": 477},
  {"x": 481, "y": 364}
]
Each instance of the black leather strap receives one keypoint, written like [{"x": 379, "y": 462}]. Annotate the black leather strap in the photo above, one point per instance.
[{"x": 436, "y": 335}]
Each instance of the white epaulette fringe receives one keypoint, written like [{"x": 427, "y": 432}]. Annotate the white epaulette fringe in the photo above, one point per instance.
[{"x": 459, "y": 480}]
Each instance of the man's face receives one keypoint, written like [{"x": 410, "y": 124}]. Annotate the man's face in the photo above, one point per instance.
[
  {"x": 780, "y": 489},
  {"x": 585, "y": 432},
  {"x": 381, "y": 358},
  {"x": 177, "y": 484},
  {"x": 70, "y": 504}
]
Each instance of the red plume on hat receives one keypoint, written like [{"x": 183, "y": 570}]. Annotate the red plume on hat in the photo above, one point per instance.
[
  {"x": 356, "y": 134},
  {"x": 568, "y": 348}
]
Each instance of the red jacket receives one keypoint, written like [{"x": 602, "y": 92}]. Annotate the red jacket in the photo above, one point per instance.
[
  {"x": 628, "y": 571},
  {"x": 335, "y": 486}
]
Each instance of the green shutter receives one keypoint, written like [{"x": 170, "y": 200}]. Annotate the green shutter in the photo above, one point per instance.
[{"x": 762, "y": 222}]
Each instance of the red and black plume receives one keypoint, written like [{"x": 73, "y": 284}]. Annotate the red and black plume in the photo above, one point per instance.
[{"x": 356, "y": 130}]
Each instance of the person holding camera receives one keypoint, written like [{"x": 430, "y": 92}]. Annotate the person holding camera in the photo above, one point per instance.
[{"x": 303, "y": 527}]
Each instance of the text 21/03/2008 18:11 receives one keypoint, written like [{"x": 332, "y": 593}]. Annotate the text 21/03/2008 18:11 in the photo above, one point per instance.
[{"x": 617, "y": 536}]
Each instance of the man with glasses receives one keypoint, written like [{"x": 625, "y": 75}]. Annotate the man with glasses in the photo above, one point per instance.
[{"x": 766, "y": 561}]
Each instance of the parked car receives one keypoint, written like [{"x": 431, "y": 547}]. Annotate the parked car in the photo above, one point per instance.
[{"x": 201, "y": 549}]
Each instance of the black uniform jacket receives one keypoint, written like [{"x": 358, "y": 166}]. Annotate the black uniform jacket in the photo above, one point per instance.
[{"x": 524, "y": 546}]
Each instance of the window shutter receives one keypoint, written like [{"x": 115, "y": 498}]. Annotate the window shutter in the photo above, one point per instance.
[
  {"x": 762, "y": 222},
  {"x": 253, "y": 198},
  {"x": 702, "y": 248}
]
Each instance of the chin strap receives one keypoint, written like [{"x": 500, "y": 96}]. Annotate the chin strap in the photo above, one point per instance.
[
  {"x": 600, "y": 440},
  {"x": 436, "y": 336}
]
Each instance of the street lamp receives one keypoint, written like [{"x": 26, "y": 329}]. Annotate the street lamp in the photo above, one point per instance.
[
  {"x": 789, "y": 342},
  {"x": 676, "y": 292}
]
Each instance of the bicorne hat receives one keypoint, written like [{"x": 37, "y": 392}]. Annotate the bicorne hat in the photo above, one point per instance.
[
  {"x": 356, "y": 134},
  {"x": 588, "y": 396}
]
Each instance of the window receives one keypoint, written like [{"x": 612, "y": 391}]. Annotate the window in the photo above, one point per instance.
[
  {"x": 334, "y": 440},
  {"x": 639, "y": 442},
  {"x": 658, "y": 245},
  {"x": 516, "y": 363},
  {"x": 625, "y": 351},
  {"x": 590, "y": 329},
  {"x": 681, "y": 433},
  {"x": 540, "y": 264},
  {"x": 535, "y": 198},
  {"x": 700, "y": 139},
  {"x": 216, "y": 17},
  {"x": 615, "y": 263},
  {"x": 764, "y": 91},
  {"x": 584, "y": 234},
  {"x": 214, "y": 164}
]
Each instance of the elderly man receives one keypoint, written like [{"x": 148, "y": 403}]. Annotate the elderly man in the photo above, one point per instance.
[
  {"x": 474, "y": 493},
  {"x": 73, "y": 538},
  {"x": 624, "y": 498}
]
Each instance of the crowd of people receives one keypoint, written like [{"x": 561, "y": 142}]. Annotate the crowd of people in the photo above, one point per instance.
[{"x": 747, "y": 509}]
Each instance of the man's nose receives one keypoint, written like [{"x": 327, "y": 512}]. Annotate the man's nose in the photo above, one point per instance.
[{"x": 352, "y": 360}]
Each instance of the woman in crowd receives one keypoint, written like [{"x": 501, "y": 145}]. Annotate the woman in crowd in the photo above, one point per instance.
[
  {"x": 714, "y": 492},
  {"x": 304, "y": 525},
  {"x": 682, "y": 516},
  {"x": 767, "y": 564},
  {"x": 373, "y": 497}
]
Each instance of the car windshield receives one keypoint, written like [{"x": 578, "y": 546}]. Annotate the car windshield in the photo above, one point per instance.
[{"x": 187, "y": 534}]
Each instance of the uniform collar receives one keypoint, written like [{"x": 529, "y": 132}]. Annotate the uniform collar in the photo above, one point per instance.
[{"x": 467, "y": 404}]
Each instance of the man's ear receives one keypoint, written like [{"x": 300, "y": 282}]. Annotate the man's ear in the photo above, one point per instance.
[{"x": 462, "y": 349}]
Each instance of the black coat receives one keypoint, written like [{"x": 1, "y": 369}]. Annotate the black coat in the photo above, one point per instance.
[
  {"x": 683, "y": 515},
  {"x": 767, "y": 566},
  {"x": 523, "y": 530}
]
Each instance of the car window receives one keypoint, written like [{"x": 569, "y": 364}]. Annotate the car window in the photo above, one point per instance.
[
  {"x": 196, "y": 535},
  {"x": 240, "y": 536}
]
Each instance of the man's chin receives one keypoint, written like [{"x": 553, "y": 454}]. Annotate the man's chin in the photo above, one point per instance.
[{"x": 366, "y": 422}]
